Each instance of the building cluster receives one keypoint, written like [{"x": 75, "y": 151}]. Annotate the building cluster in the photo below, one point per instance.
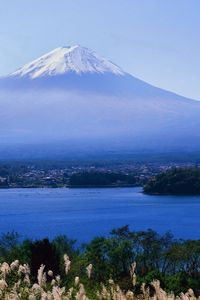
[{"x": 59, "y": 176}]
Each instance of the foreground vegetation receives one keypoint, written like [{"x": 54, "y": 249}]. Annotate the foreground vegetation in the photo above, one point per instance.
[
  {"x": 107, "y": 261},
  {"x": 15, "y": 284},
  {"x": 177, "y": 181}
]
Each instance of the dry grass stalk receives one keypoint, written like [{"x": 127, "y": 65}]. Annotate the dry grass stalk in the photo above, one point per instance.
[{"x": 22, "y": 288}]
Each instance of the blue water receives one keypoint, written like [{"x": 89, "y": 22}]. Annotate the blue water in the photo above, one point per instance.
[{"x": 85, "y": 213}]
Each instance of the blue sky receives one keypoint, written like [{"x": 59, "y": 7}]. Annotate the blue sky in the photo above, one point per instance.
[{"x": 157, "y": 41}]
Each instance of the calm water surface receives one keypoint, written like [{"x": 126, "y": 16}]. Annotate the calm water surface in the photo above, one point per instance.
[{"x": 85, "y": 213}]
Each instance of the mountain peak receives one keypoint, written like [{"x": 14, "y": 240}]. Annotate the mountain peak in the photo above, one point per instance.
[{"x": 67, "y": 59}]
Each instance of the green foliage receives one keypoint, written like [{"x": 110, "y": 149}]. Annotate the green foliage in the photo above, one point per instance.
[
  {"x": 96, "y": 254},
  {"x": 176, "y": 263},
  {"x": 175, "y": 182},
  {"x": 8, "y": 243}
]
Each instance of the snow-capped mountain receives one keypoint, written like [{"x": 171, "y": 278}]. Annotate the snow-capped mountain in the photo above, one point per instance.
[
  {"x": 72, "y": 99},
  {"x": 68, "y": 59},
  {"x": 77, "y": 68}
]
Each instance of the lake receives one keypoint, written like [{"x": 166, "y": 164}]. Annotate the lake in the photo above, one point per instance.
[{"x": 85, "y": 213}]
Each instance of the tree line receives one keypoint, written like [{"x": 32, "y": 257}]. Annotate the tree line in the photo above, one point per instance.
[
  {"x": 177, "y": 181},
  {"x": 176, "y": 263}
]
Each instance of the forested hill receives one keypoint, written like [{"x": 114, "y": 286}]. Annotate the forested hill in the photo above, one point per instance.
[
  {"x": 101, "y": 179},
  {"x": 177, "y": 181}
]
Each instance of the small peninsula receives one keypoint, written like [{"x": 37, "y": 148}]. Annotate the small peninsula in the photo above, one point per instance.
[{"x": 177, "y": 181}]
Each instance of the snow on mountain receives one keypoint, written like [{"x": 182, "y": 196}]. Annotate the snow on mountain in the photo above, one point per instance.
[
  {"x": 73, "y": 98},
  {"x": 68, "y": 59}
]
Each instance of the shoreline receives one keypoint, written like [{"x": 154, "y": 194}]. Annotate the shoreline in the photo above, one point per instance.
[{"x": 70, "y": 187}]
